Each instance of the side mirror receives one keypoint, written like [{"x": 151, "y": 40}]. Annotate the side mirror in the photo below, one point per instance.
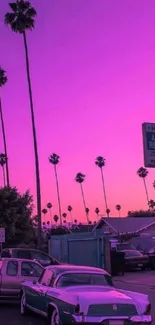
[{"x": 34, "y": 282}]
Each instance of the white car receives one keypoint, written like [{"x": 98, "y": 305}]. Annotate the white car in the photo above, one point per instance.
[{"x": 70, "y": 294}]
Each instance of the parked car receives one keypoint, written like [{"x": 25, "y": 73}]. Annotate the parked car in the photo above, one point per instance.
[
  {"x": 31, "y": 254},
  {"x": 71, "y": 294},
  {"x": 134, "y": 259},
  {"x": 13, "y": 272}
]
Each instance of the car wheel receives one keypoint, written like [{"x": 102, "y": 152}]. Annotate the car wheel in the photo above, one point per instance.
[
  {"x": 23, "y": 308},
  {"x": 54, "y": 317}
]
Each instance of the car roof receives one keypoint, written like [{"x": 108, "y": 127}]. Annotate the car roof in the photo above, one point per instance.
[
  {"x": 19, "y": 260},
  {"x": 75, "y": 268}
]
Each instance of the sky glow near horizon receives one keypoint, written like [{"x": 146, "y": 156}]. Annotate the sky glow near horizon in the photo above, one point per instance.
[{"x": 93, "y": 77}]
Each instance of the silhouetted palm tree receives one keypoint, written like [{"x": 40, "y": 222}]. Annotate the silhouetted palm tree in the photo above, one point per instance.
[
  {"x": 97, "y": 211},
  {"x": 108, "y": 212},
  {"x": 100, "y": 162},
  {"x": 49, "y": 206},
  {"x": 44, "y": 211},
  {"x": 142, "y": 173},
  {"x": 80, "y": 179},
  {"x": 21, "y": 20},
  {"x": 118, "y": 208},
  {"x": 69, "y": 208},
  {"x": 151, "y": 204},
  {"x": 64, "y": 215},
  {"x": 75, "y": 221},
  {"x": 55, "y": 218},
  {"x": 87, "y": 214},
  {"x": 3, "y": 80},
  {"x": 3, "y": 161},
  {"x": 54, "y": 160},
  {"x": 153, "y": 184}
]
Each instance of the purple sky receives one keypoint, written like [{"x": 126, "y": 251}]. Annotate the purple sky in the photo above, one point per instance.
[{"x": 93, "y": 78}]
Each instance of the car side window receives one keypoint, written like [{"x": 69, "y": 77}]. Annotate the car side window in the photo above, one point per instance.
[
  {"x": 12, "y": 268},
  {"x": 31, "y": 269},
  {"x": 46, "y": 277}
]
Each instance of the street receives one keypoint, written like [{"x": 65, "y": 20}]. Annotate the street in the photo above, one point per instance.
[{"x": 143, "y": 282}]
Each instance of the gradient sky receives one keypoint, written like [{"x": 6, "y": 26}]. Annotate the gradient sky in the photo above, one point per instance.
[{"x": 93, "y": 78}]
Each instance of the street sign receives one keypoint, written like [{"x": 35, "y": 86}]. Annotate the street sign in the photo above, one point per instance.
[
  {"x": 148, "y": 130},
  {"x": 2, "y": 235}
]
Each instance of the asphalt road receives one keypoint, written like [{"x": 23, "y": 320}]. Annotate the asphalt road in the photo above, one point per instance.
[{"x": 140, "y": 282}]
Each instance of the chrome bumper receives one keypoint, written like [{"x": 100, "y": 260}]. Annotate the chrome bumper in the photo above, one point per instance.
[{"x": 138, "y": 319}]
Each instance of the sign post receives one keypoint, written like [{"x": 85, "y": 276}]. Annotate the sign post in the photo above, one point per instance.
[
  {"x": 2, "y": 237},
  {"x": 148, "y": 130}
]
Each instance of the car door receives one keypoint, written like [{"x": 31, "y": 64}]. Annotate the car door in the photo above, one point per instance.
[
  {"x": 30, "y": 271},
  {"x": 10, "y": 283},
  {"x": 40, "y": 289}
]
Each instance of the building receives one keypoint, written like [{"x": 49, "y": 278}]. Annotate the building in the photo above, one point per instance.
[{"x": 113, "y": 226}]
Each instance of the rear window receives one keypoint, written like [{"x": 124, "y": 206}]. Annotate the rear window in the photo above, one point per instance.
[{"x": 75, "y": 279}]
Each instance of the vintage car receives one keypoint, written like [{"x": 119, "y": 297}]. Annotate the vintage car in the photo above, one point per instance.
[
  {"x": 135, "y": 259},
  {"x": 71, "y": 294},
  {"x": 13, "y": 272}
]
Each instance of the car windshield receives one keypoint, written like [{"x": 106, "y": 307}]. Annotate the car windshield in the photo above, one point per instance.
[
  {"x": 133, "y": 254},
  {"x": 76, "y": 279}
]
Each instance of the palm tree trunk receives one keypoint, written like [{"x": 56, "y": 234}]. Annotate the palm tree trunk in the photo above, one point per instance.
[
  {"x": 3, "y": 169},
  {"x": 35, "y": 142},
  {"x": 4, "y": 142},
  {"x": 84, "y": 202},
  {"x": 104, "y": 191},
  {"x": 58, "y": 194},
  {"x": 146, "y": 191}
]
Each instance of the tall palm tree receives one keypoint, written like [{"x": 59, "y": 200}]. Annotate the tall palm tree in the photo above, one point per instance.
[
  {"x": 153, "y": 184},
  {"x": 69, "y": 208},
  {"x": 142, "y": 173},
  {"x": 108, "y": 212},
  {"x": 49, "y": 206},
  {"x": 54, "y": 160},
  {"x": 97, "y": 211},
  {"x": 55, "y": 218},
  {"x": 44, "y": 211},
  {"x": 118, "y": 208},
  {"x": 22, "y": 19},
  {"x": 100, "y": 162},
  {"x": 3, "y": 161},
  {"x": 3, "y": 80},
  {"x": 87, "y": 213},
  {"x": 64, "y": 215},
  {"x": 151, "y": 204},
  {"x": 80, "y": 179}
]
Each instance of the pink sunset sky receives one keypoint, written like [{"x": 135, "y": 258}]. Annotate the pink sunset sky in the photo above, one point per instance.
[{"x": 93, "y": 78}]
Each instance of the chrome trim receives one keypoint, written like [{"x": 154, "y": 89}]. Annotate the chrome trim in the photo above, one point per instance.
[{"x": 142, "y": 319}]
